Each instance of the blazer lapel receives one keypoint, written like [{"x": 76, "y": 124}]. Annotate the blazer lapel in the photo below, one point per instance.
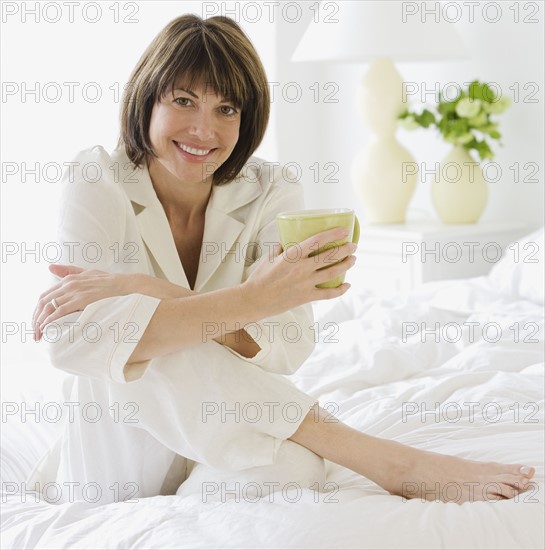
[
  {"x": 221, "y": 229},
  {"x": 220, "y": 233},
  {"x": 157, "y": 235},
  {"x": 152, "y": 222}
]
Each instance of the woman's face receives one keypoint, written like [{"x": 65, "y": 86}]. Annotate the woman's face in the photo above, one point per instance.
[{"x": 192, "y": 133}]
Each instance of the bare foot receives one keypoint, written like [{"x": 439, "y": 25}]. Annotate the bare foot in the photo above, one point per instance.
[
  {"x": 410, "y": 472},
  {"x": 413, "y": 473}
]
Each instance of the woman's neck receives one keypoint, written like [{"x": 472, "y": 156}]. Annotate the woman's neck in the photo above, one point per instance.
[{"x": 180, "y": 201}]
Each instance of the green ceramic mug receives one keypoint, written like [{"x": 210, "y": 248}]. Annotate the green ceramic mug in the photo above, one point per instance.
[{"x": 296, "y": 226}]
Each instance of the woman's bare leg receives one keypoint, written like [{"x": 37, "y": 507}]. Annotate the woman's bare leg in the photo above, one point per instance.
[{"x": 407, "y": 471}]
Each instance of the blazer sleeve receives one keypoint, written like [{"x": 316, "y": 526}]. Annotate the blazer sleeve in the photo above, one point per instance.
[
  {"x": 287, "y": 339},
  {"x": 97, "y": 341}
]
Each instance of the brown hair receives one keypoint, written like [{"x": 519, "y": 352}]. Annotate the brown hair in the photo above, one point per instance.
[{"x": 214, "y": 51}]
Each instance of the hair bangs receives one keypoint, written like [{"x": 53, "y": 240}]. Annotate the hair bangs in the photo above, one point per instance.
[{"x": 204, "y": 61}]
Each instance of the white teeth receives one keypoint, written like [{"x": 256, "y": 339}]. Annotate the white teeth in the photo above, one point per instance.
[{"x": 200, "y": 152}]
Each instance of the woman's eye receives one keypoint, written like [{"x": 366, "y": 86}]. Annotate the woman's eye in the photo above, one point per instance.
[
  {"x": 228, "y": 110},
  {"x": 182, "y": 101}
]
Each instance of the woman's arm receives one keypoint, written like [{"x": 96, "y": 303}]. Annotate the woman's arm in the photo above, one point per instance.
[
  {"x": 94, "y": 285},
  {"x": 237, "y": 340},
  {"x": 287, "y": 339},
  {"x": 276, "y": 285}
]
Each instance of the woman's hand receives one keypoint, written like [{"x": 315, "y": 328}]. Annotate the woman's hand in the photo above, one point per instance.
[
  {"x": 289, "y": 278},
  {"x": 80, "y": 287},
  {"x": 77, "y": 289}
]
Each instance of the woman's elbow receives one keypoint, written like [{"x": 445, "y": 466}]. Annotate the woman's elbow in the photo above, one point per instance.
[
  {"x": 303, "y": 352},
  {"x": 74, "y": 350},
  {"x": 292, "y": 355},
  {"x": 61, "y": 343}
]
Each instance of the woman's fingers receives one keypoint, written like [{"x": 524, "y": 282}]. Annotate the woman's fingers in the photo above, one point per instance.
[
  {"x": 61, "y": 270},
  {"x": 53, "y": 314},
  {"x": 50, "y": 313},
  {"x": 43, "y": 300},
  {"x": 333, "y": 255},
  {"x": 77, "y": 289},
  {"x": 43, "y": 312},
  {"x": 48, "y": 306},
  {"x": 330, "y": 253},
  {"x": 330, "y": 293},
  {"x": 333, "y": 271},
  {"x": 314, "y": 243}
]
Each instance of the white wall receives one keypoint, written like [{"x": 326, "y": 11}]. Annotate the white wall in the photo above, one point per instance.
[{"x": 504, "y": 52}]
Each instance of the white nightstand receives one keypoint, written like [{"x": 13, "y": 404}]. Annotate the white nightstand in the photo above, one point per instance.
[{"x": 394, "y": 258}]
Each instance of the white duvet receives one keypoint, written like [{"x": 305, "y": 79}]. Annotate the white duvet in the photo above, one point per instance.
[{"x": 475, "y": 393}]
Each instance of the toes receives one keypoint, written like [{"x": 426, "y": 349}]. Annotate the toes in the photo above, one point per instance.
[
  {"x": 522, "y": 470},
  {"x": 506, "y": 486},
  {"x": 513, "y": 469},
  {"x": 499, "y": 491},
  {"x": 497, "y": 468},
  {"x": 518, "y": 482},
  {"x": 527, "y": 471}
]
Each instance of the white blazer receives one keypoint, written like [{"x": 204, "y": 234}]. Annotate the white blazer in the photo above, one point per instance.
[
  {"x": 111, "y": 219},
  {"x": 112, "y": 214}
]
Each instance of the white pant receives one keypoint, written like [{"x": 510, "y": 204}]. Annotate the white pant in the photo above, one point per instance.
[{"x": 127, "y": 440}]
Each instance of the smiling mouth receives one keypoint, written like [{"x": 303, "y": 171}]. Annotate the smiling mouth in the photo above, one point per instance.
[{"x": 192, "y": 150}]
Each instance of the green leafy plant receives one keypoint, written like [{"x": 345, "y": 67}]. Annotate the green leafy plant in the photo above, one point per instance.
[{"x": 464, "y": 120}]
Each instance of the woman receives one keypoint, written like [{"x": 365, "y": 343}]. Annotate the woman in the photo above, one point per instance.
[{"x": 176, "y": 323}]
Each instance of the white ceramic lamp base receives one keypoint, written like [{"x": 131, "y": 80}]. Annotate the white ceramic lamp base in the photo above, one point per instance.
[
  {"x": 379, "y": 172},
  {"x": 384, "y": 187}
]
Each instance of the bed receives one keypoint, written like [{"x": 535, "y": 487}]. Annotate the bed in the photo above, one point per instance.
[{"x": 453, "y": 366}]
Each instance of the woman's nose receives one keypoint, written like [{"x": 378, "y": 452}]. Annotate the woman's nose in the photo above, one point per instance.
[{"x": 201, "y": 125}]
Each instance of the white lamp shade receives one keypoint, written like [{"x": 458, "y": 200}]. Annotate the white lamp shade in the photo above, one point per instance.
[{"x": 368, "y": 29}]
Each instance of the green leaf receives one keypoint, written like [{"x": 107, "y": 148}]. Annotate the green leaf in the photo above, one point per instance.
[
  {"x": 474, "y": 90},
  {"x": 481, "y": 91},
  {"x": 409, "y": 123},
  {"x": 477, "y": 121},
  {"x": 491, "y": 130},
  {"x": 456, "y": 127},
  {"x": 464, "y": 138},
  {"x": 499, "y": 106},
  {"x": 447, "y": 107},
  {"x": 489, "y": 94},
  {"x": 482, "y": 149},
  {"x": 443, "y": 125},
  {"x": 426, "y": 119}
]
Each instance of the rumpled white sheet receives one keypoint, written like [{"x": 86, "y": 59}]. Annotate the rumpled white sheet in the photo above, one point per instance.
[{"x": 367, "y": 378}]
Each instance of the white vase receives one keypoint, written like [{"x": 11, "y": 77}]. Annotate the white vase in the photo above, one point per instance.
[{"x": 459, "y": 190}]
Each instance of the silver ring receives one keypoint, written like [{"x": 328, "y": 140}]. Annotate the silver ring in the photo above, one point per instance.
[{"x": 54, "y": 303}]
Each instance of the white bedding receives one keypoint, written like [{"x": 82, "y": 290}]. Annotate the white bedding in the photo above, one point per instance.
[{"x": 369, "y": 377}]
